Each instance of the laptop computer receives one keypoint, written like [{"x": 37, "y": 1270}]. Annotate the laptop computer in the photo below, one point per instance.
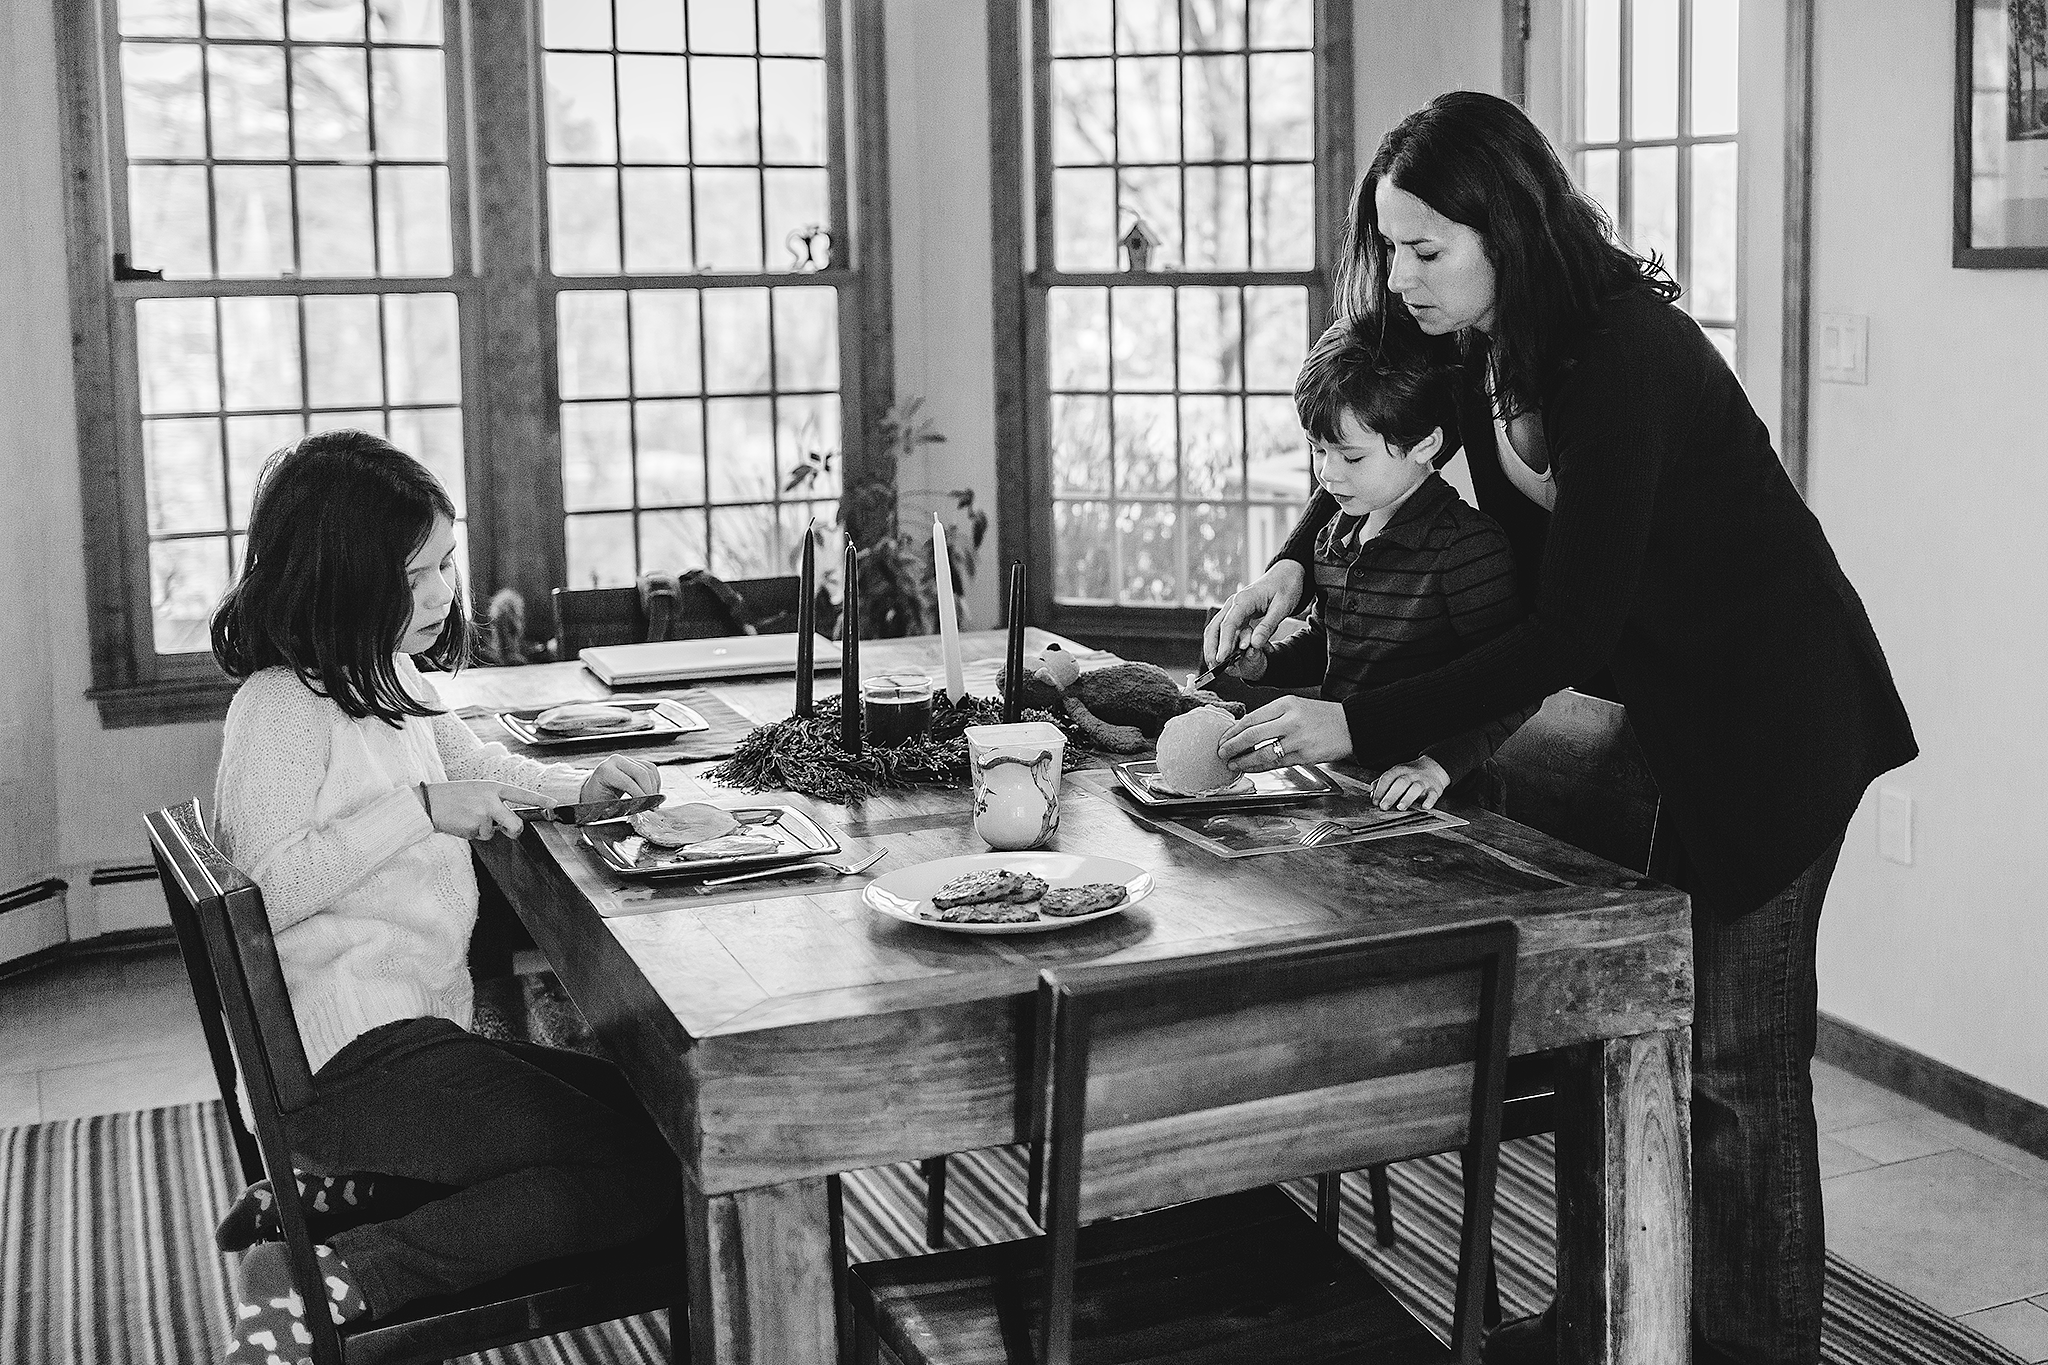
[{"x": 724, "y": 656}]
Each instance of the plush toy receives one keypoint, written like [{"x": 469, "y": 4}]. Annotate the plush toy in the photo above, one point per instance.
[{"x": 1120, "y": 709}]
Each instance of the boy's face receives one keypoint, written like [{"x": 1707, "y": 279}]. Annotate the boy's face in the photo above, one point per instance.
[{"x": 1363, "y": 473}]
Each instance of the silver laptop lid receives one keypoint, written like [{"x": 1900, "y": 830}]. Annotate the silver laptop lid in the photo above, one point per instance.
[{"x": 726, "y": 656}]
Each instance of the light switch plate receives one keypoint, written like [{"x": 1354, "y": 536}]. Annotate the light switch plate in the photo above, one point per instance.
[
  {"x": 1895, "y": 825},
  {"x": 1844, "y": 348}
]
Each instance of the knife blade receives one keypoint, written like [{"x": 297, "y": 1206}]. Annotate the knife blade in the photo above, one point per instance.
[
  {"x": 590, "y": 812},
  {"x": 1203, "y": 679}
]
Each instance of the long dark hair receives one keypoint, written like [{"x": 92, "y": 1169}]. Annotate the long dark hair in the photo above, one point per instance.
[
  {"x": 323, "y": 587},
  {"x": 1478, "y": 160}
]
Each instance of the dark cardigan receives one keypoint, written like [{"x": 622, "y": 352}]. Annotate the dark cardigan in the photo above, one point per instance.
[{"x": 1680, "y": 559}]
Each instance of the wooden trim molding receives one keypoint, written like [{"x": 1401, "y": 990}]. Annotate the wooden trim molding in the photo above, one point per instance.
[
  {"x": 1968, "y": 1100},
  {"x": 1796, "y": 381}
]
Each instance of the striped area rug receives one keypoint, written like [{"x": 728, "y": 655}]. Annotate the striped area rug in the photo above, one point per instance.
[{"x": 106, "y": 1248}]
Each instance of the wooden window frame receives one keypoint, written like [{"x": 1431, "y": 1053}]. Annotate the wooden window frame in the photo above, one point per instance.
[
  {"x": 506, "y": 297},
  {"x": 1019, "y": 219}
]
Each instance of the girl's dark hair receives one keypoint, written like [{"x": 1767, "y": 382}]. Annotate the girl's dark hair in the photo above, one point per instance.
[
  {"x": 323, "y": 587},
  {"x": 1382, "y": 371},
  {"x": 1478, "y": 160}
]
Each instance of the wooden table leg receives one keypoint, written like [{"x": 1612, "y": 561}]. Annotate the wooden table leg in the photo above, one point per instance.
[
  {"x": 1624, "y": 1208},
  {"x": 761, "y": 1286}
]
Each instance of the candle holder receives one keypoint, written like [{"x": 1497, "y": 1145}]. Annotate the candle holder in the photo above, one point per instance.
[{"x": 897, "y": 708}]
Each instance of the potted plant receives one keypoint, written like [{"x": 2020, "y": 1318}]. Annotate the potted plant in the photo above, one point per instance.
[{"x": 898, "y": 593}]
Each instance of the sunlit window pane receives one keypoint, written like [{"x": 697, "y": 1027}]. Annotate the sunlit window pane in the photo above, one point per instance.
[
  {"x": 1653, "y": 95},
  {"x": 1600, "y": 92},
  {"x": 1711, "y": 278}
]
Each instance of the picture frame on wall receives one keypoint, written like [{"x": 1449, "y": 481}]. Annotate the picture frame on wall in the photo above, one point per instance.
[{"x": 2001, "y": 154}]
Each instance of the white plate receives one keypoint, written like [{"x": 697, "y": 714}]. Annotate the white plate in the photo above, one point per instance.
[{"x": 902, "y": 893}]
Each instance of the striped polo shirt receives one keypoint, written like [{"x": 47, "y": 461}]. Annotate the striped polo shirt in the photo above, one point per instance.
[{"x": 1437, "y": 582}]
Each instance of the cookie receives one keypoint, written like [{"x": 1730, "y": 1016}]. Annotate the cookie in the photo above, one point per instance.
[
  {"x": 992, "y": 884},
  {"x": 986, "y": 912},
  {"x": 1029, "y": 889},
  {"x": 1066, "y": 901}
]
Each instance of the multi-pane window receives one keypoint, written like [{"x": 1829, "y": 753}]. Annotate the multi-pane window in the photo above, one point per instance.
[
  {"x": 632, "y": 303},
  {"x": 278, "y": 154},
  {"x": 1653, "y": 139},
  {"x": 691, "y": 142},
  {"x": 1174, "y": 292}
]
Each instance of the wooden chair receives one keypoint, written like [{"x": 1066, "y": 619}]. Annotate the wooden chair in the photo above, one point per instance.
[
  {"x": 588, "y": 617},
  {"x": 1141, "y": 1099},
  {"x": 238, "y": 984}
]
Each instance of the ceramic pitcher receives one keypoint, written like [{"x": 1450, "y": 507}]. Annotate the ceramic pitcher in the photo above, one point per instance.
[{"x": 1016, "y": 782}]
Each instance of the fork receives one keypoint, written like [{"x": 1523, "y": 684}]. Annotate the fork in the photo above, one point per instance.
[
  {"x": 822, "y": 865},
  {"x": 1330, "y": 829}
]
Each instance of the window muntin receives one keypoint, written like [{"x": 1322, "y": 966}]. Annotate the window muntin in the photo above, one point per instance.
[
  {"x": 691, "y": 141},
  {"x": 1175, "y": 460},
  {"x": 1654, "y": 121}
]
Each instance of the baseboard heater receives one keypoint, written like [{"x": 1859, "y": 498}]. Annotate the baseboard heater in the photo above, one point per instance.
[{"x": 32, "y": 919}]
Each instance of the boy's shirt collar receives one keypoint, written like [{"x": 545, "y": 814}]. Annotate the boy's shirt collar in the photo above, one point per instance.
[{"x": 1409, "y": 524}]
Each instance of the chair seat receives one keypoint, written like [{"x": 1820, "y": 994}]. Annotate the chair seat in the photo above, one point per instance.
[
  {"x": 550, "y": 1296},
  {"x": 1242, "y": 1277}
]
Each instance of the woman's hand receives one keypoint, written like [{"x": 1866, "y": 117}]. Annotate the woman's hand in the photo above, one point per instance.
[
  {"x": 619, "y": 776},
  {"x": 1289, "y": 731},
  {"x": 1406, "y": 786},
  {"x": 1252, "y": 613},
  {"x": 478, "y": 810}
]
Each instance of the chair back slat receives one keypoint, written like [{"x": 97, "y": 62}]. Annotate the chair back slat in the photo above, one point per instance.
[
  {"x": 1145, "y": 1092},
  {"x": 1576, "y": 771},
  {"x": 224, "y": 935}
]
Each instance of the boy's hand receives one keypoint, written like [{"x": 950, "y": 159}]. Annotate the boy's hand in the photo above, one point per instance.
[
  {"x": 1289, "y": 731},
  {"x": 1252, "y": 613},
  {"x": 1406, "y": 786},
  {"x": 619, "y": 776},
  {"x": 478, "y": 810}
]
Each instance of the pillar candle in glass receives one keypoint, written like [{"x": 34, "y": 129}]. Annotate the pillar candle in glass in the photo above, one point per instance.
[{"x": 897, "y": 707}]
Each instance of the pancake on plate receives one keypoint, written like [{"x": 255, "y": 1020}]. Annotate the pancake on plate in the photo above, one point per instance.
[
  {"x": 590, "y": 718},
  {"x": 693, "y": 822}
]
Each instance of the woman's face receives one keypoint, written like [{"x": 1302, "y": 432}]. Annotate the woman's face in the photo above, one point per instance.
[
  {"x": 1438, "y": 267},
  {"x": 430, "y": 573}
]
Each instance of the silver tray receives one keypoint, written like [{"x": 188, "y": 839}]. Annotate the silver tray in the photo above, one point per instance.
[
  {"x": 668, "y": 718},
  {"x": 797, "y": 834},
  {"x": 1280, "y": 787}
]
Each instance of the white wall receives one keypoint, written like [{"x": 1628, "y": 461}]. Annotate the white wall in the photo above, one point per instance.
[{"x": 1933, "y": 487}]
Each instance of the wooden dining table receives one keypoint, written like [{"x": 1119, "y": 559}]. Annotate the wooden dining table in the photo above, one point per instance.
[{"x": 781, "y": 1032}]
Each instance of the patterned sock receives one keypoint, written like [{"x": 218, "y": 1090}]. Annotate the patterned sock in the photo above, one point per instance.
[
  {"x": 270, "y": 1317},
  {"x": 333, "y": 1203}
]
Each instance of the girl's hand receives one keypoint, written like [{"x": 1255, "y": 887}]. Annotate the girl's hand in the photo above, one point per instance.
[
  {"x": 619, "y": 776},
  {"x": 478, "y": 810},
  {"x": 1289, "y": 731},
  {"x": 1405, "y": 786},
  {"x": 1252, "y": 613}
]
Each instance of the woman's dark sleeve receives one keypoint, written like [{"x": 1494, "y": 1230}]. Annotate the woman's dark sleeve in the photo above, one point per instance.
[
  {"x": 1301, "y": 543},
  {"x": 1300, "y": 660},
  {"x": 1614, "y": 425}
]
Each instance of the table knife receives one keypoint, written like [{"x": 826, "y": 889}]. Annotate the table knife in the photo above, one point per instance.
[{"x": 590, "y": 812}]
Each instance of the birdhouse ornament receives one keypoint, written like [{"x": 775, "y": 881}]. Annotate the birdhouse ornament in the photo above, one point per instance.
[{"x": 1139, "y": 243}]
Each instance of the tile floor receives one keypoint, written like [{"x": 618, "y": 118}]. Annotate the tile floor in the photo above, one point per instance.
[{"x": 1958, "y": 1219}]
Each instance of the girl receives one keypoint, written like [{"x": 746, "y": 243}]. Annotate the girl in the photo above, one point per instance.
[
  {"x": 1675, "y": 564},
  {"x": 348, "y": 795}
]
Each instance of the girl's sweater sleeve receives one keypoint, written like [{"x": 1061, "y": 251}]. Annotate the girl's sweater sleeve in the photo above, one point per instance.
[
  {"x": 275, "y": 755},
  {"x": 467, "y": 758}
]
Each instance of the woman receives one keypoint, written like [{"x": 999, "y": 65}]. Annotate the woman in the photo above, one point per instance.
[{"x": 1667, "y": 561}]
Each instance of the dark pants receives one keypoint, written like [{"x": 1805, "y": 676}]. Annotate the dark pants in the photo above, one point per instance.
[
  {"x": 1758, "y": 1251},
  {"x": 548, "y": 1152}
]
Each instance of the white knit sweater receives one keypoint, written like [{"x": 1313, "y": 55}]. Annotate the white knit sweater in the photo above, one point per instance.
[{"x": 372, "y": 908}]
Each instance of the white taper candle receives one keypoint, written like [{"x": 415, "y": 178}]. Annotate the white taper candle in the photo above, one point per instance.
[{"x": 949, "y": 619}]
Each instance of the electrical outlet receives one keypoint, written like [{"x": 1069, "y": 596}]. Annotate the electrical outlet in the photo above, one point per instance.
[
  {"x": 1844, "y": 348},
  {"x": 1895, "y": 825}
]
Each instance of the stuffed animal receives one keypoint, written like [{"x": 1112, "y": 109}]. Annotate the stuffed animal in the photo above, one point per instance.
[{"x": 1120, "y": 709}]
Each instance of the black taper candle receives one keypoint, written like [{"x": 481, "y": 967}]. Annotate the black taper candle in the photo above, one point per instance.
[
  {"x": 807, "y": 622},
  {"x": 849, "y": 652},
  {"x": 1013, "y": 664}
]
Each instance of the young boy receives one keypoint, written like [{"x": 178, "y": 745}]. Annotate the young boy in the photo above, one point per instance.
[{"x": 1407, "y": 576}]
